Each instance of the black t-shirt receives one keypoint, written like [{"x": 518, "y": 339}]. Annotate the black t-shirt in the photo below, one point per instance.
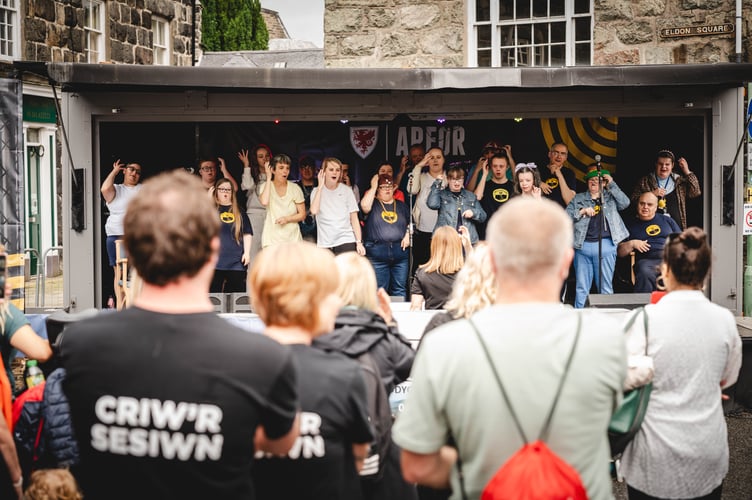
[
  {"x": 494, "y": 196},
  {"x": 230, "y": 250},
  {"x": 434, "y": 287},
  {"x": 166, "y": 405},
  {"x": 334, "y": 415},
  {"x": 547, "y": 177},
  {"x": 655, "y": 231},
  {"x": 594, "y": 230},
  {"x": 387, "y": 221}
]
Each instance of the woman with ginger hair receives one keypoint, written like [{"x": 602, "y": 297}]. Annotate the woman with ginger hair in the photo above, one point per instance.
[
  {"x": 433, "y": 280},
  {"x": 297, "y": 304}
]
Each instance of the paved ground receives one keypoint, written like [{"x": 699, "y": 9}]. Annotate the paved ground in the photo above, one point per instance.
[{"x": 738, "y": 483}]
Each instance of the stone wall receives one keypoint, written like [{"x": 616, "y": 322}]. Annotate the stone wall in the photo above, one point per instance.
[
  {"x": 53, "y": 30},
  {"x": 394, "y": 33},
  {"x": 628, "y": 32}
]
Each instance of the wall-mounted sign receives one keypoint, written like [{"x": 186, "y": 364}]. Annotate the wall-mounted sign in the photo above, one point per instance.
[{"x": 710, "y": 29}]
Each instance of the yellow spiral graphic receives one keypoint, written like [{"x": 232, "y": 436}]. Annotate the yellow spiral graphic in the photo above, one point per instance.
[{"x": 585, "y": 138}]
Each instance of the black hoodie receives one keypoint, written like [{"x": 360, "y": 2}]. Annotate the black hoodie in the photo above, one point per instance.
[{"x": 357, "y": 331}]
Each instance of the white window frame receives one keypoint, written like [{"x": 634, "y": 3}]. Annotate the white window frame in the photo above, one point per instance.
[
  {"x": 160, "y": 28},
  {"x": 94, "y": 29},
  {"x": 520, "y": 56},
  {"x": 9, "y": 30}
]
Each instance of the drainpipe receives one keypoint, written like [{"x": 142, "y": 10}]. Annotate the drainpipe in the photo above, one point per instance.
[
  {"x": 193, "y": 31},
  {"x": 738, "y": 31}
]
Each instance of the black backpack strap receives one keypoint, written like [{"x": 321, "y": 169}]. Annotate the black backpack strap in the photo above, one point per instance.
[{"x": 544, "y": 431}]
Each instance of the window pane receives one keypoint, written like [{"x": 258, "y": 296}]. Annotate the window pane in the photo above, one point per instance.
[
  {"x": 558, "y": 32},
  {"x": 508, "y": 58},
  {"x": 482, "y": 10},
  {"x": 524, "y": 32},
  {"x": 506, "y": 9},
  {"x": 484, "y": 58},
  {"x": 557, "y": 8},
  {"x": 540, "y": 8},
  {"x": 523, "y": 9},
  {"x": 581, "y": 6},
  {"x": 484, "y": 37},
  {"x": 582, "y": 54},
  {"x": 582, "y": 28},
  {"x": 557, "y": 56},
  {"x": 540, "y": 33}
]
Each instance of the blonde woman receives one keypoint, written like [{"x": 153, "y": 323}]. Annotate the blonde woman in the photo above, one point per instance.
[
  {"x": 433, "y": 280},
  {"x": 234, "y": 241},
  {"x": 298, "y": 303},
  {"x": 473, "y": 290}
]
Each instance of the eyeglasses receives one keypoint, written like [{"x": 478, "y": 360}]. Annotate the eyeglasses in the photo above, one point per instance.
[
  {"x": 456, "y": 179},
  {"x": 133, "y": 170},
  {"x": 206, "y": 169},
  {"x": 303, "y": 167},
  {"x": 224, "y": 190},
  {"x": 386, "y": 186},
  {"x": 559, "y": 153}
]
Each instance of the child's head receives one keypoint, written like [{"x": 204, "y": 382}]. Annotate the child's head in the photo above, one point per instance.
[{"x": 52, "y": 484}]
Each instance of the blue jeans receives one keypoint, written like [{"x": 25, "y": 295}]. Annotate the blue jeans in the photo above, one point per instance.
[
  {"x": 646, "y": 273},
  {"x": 586, "y": 269},
  {"x": 389, "y": 261}
]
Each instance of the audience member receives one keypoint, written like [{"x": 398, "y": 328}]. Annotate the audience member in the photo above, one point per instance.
[
  {"x": 473, "y": 289},
  {"x": 527, "y": 180},
  {"x": 425, "y": 218},
  {"x": 415, "y": 154},
  {"x": 496, "y": 191},
  {"x": 298, "y": 303},
  {"x": 386, "y": 235},
  {"x": 165, "y": 396},
  {"x": 52, "y": 484},
  {"x": 597, "y": 231},
  {"x": 681, "y": 450},
  {"x": 457, "y": 207},
  {"x": 433, "y": 280},
  {"x": 284, "y": 202},
  {"x": 529, "y": 335},
  {"x": 336, "y": 211},
  {"x": 254, "y": 175},
  {"x": 11, "y": 475},
  {"x": 307, "y": 168},
  {"x": 557, "y": 181},
  {"x": 347, "y": 181},
  {"x": 647, "y": 235},
  {"x": 235, "y": 238},
  {"x": 117, "y": 196},
  {"x": 671, "y": 189}
]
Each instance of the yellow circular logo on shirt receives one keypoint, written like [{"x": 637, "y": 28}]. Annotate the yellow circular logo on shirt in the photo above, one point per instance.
[
  {"x": 653, "y": 230},
  {"x": 500, "y": 195},
  {"x": 597, "y": 209},
  {"x": 389, "y": 216},
  {"x": 227, "y": 217},
  {"x": 552, "y": 182}
]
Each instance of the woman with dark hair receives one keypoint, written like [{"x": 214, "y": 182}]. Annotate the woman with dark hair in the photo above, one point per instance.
[
  {"x": 681, "y": 451},
  {"x": 284, "y": 202},
  {"x": 253, "y": 177},
  {"x": 672, "y": 189},
  {"x": 235, "y": 238}
]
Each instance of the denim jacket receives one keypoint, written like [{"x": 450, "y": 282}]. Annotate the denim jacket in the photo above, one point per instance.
[
  {"x": 446, "y": 203},
  {"x": 614, "y": 200}
]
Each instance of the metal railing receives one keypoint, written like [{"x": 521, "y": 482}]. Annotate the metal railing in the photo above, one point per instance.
[{"x": 41, "y": 288}]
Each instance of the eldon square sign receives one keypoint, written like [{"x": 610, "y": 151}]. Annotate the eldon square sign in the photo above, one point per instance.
[{"x": 710, "y": 29}]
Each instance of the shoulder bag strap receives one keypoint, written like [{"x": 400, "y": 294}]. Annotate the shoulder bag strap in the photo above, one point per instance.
[
  {"x": 544, "y": 431},
  {"x": 631, "y": 321}
]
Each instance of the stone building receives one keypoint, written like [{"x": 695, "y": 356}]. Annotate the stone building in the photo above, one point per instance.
[
  {"x": 498, "y": 33},
  {"x": 146, "y": 32}
]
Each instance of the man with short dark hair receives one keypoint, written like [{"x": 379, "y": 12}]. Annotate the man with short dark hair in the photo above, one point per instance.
[
  {"x": 558, "y": 183},
  {"x": 647, "y": 237},
  {"x": 168, "y": 400},
  {"x": 530, "y": 335}
]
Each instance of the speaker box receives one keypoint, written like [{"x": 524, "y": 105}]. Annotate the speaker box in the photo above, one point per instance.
[{"x": 618, "y": 300}]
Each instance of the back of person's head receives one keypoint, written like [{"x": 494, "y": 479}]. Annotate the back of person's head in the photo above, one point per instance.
[
  {"x": 529, "y": 239},
  {"x": 289, "y": 281},
  {"x": 475, "y": 285},
  {"x": 446, "y": 251},
  {"x": 357, "y": 281},
  {"x": 169, "y": 228},
  {"x": 688, "y": 256},
  {"x": 52, "y": 484}
]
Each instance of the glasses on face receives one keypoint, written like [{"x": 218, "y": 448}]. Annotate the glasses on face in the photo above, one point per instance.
[
  {"x": 306, "y": 167},
  {"x": 386, "y": 186},
  {"x": 133, "y": 170},
  {"x": 456, "y": 179},
  {"x": 559, "y": 153},
  {"x": 224, "y": 190}
]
